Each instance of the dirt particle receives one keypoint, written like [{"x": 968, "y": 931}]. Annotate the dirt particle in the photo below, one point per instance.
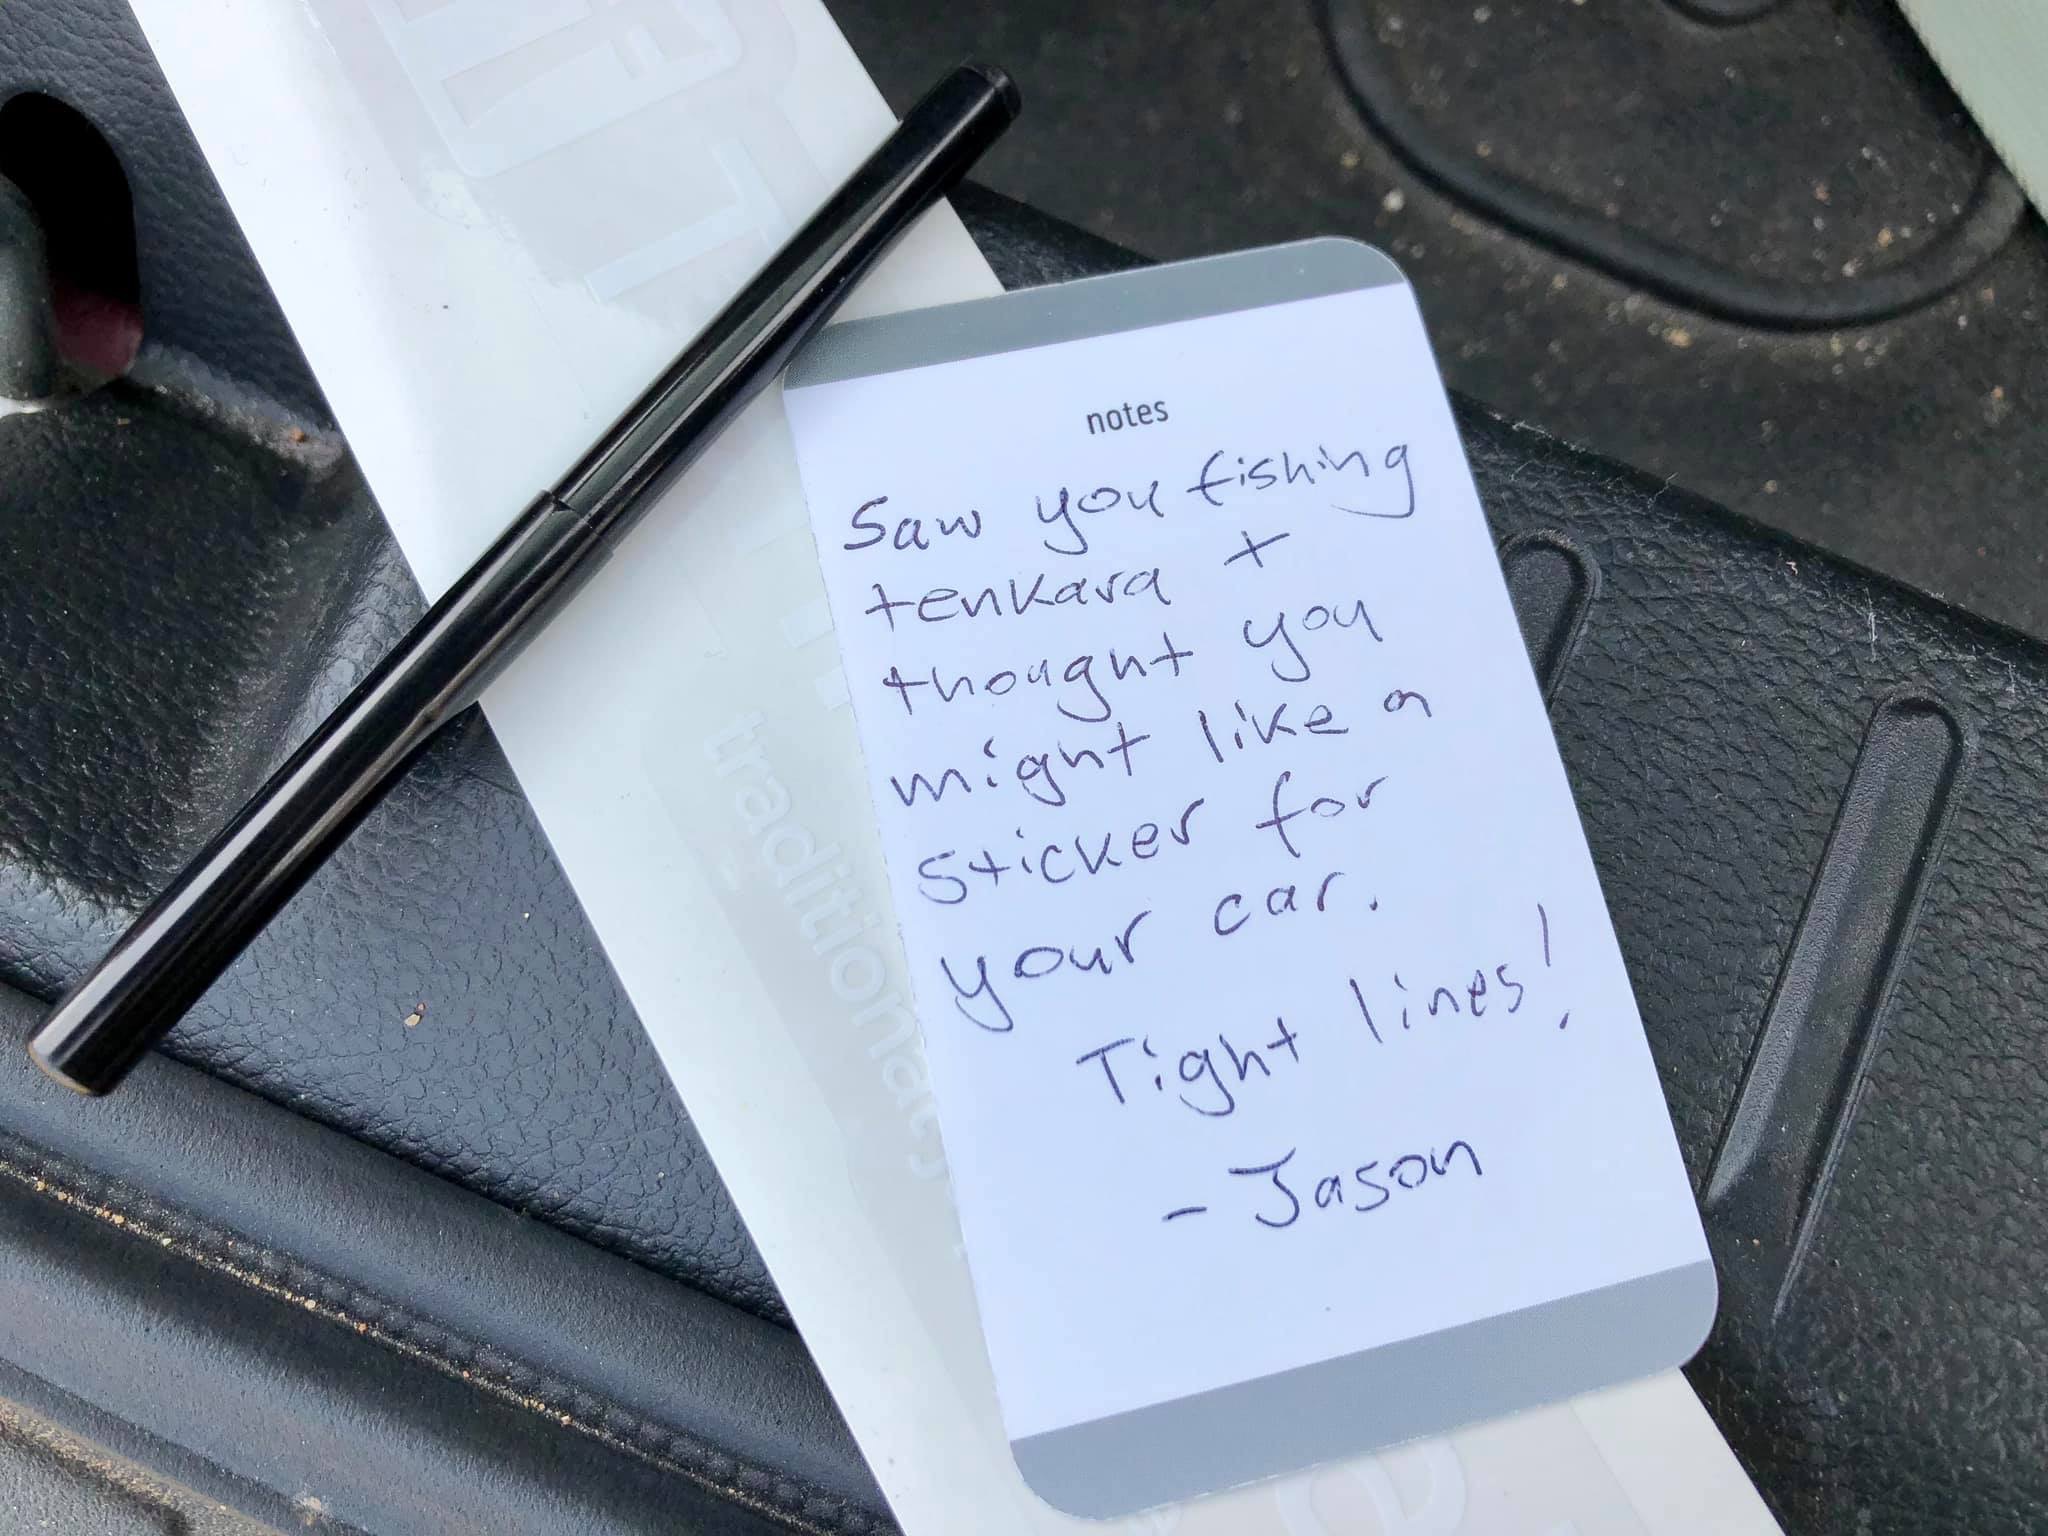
[
  {"x": 1678, "y": 336},
  {"x": 1885, "y": 238},
  {"x": 1820, "y": 191},
  {"x": 1771, "y": 489},
  {"x": 419, "y": 1011}
]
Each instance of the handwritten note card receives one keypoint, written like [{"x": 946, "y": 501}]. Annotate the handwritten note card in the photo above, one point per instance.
[{"x": 1293, "y": 1092}]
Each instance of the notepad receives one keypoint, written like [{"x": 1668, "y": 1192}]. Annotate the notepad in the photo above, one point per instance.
[{"x": 1293, "y": 1090}]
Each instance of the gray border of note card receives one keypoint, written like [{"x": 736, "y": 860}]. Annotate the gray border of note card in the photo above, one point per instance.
[{"x": 1378, "y": 1397}]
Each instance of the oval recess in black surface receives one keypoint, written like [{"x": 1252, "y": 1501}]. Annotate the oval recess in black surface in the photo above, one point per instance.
[{"x": 1709, "y": 162}]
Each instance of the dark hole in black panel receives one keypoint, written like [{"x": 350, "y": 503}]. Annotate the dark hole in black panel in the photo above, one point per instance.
[{"x": 71, "y": 178}]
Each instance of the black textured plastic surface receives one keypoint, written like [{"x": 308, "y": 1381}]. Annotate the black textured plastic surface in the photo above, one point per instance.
[
  {"x": 1813, "y": 172},
  {"x": 1908, "y": 445},
  {"x": 52, "y": 1481},
  {"x": 188, "y": 1260},
  {"x": 1817, "y": 803}
]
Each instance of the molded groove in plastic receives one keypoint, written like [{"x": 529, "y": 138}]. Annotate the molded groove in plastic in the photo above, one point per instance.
[
  {"x": 1552, "y": 583},
  {"x": 1770, "y": 1176}
]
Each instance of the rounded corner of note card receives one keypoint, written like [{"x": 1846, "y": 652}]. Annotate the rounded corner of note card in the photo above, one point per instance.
[
  {"x": 1696, "y": 1304},
  {"x": 1070, "y": 1476},
  {"x": 1347, "y": 263}
]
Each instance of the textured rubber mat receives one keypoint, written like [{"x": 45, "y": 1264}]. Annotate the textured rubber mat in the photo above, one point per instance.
[
  {"x": 1803, "y": 171},
  {"x": 1755, "y": 247}
]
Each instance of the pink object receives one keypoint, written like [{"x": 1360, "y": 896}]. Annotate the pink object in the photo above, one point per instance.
[{"x": 98, "y": 334}]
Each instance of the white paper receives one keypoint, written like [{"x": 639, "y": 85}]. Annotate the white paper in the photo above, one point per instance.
[
  {"x": 476, "y": 306},
  {"x": 1270, "y": 997}
]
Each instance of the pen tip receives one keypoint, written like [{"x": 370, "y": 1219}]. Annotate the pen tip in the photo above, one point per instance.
[{"x": 1000, "y": 82}]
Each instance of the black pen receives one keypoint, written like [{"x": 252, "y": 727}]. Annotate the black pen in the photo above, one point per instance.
[{"x": 174, "y": 951}]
